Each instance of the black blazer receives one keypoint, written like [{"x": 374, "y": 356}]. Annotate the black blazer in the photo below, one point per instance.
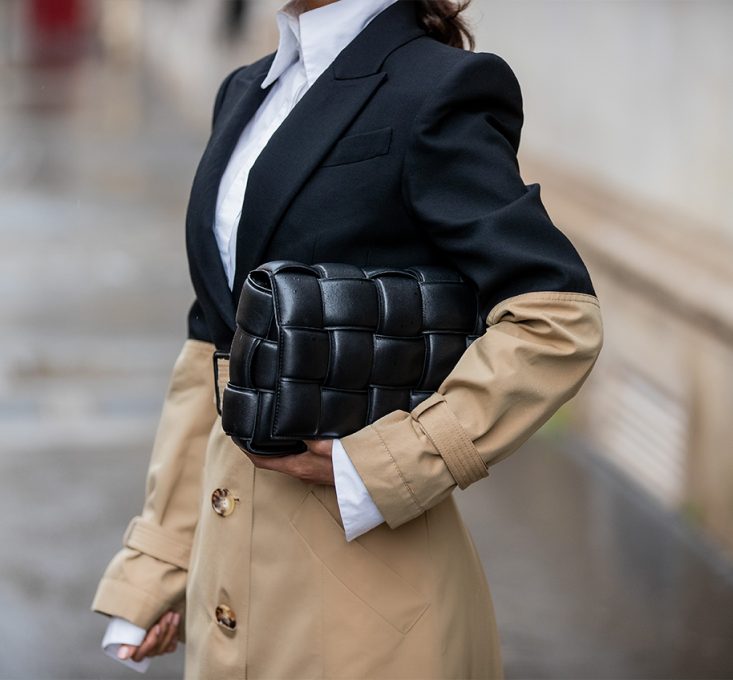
[{"x": 402, "y": 152}]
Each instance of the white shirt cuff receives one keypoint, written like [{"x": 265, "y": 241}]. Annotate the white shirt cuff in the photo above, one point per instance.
[
  {"x": 123, "y": 632},
  {"x": 359, "y": 513}
]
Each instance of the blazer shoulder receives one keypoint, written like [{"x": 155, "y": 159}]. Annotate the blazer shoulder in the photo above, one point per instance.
[
  {"x": 239, "y": 73},
  {"x": 437, "y": 60},
  {"x": 445, "y": 81},
  {"x": 222, "y": 91},
  {"x": 435, "y": 75}
]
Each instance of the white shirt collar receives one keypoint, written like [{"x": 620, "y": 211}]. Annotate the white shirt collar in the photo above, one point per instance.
[{"x": 317, "y": 36}]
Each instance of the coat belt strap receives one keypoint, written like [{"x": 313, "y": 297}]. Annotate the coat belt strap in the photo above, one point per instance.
[
  {"x": 451, "y": 440},
  {"x": 152, "y": 539}
]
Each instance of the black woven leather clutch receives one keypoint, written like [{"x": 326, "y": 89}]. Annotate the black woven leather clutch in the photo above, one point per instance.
[{"x": 322, "y": 350}]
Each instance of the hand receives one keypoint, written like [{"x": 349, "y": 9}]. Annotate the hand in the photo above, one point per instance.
[
  {"x": 161, "y": 638},
  {"x": 314, "y": 465}
]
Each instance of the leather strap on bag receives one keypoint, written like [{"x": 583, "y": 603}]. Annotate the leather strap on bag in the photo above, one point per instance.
[
  {"x": 451, "y": 441},
  {"x": 221, "y": 376}
]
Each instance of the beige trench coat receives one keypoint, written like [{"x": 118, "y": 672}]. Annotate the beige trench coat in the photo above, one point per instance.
[{"x": 406, "y": 600}]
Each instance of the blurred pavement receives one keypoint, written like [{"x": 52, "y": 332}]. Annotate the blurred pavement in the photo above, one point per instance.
[{"x": 590, "y": 579}]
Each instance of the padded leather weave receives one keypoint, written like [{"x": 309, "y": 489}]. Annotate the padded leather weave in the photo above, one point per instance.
[{"x": 322, "y": 350}]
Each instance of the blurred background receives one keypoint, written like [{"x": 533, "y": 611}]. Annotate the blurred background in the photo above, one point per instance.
[{"x": 607, "y": 541}]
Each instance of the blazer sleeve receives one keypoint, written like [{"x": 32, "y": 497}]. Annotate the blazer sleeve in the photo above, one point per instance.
[{"x": 543, "y": 332}]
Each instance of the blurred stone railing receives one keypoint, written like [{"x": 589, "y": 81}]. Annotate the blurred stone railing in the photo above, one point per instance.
[{"x": 658, "y": 404}]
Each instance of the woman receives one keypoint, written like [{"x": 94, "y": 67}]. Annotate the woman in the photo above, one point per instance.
[{"x": 401, "y": 150}]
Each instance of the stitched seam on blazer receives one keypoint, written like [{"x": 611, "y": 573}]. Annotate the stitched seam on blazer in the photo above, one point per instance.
[
  {"x": 551, "y": 296},
  {"x": 399, "y": 471},
  {"x": 372, "y": 153}
]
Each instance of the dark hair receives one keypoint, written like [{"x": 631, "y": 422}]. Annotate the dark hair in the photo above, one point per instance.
[{"x": 442, "y": 20}]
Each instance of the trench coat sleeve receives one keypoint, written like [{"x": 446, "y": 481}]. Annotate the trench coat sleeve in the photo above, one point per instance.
[
  {"x": 148, "y": 575},
  {"x": 543, "y": 331}
]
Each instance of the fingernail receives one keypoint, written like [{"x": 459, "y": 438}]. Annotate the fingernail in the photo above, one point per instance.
[
  {"x": 123, "y": 653},
  {"x": 156, "y": 629},
  {"x": 176, "y": 618}
]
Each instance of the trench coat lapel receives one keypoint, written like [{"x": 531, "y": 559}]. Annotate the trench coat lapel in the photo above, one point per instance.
[
  {"x": 311, "y": 129},
  {"x": 206, "y": 267}
]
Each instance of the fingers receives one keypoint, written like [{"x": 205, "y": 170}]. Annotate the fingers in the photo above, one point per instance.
[
  {"x": 289, "y": 465},
  {"x": 313, "y": 468},
  {"x": 277, "y": 463},
  {"x": 148, "y": 644},
  {"x": 126, "y": 651},
  {"x": 160, "y": 639},
  {"x": 309, "y": 466},
  {"x": 320, "y": 447},
  {"x": 171, "y": 621},
  {"x": 321, "y": 452}
]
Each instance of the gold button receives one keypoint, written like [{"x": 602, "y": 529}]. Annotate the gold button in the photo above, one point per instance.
[
  {"x": 223, "y": 501},
  {"x": 226, "y": 617}
]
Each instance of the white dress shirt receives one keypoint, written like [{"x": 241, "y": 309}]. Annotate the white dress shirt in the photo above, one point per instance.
[{"x": 309, "y": 42}]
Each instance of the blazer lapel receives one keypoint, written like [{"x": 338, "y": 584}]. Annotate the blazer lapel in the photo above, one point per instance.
[
  {"x": 311, "y": 129},
  {"x": 292, "y": 153},
  {"x": 207, "y": 270}
]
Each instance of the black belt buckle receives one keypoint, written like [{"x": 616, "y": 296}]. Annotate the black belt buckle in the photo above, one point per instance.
[{"x": 219, "y": 354}]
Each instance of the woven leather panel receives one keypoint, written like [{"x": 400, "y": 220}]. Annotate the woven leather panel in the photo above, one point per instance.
[{"x": 321, "y": 351}]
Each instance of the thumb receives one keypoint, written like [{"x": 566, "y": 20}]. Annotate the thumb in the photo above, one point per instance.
[
  {"x": 125, "y": 651},
  {"x": 320, "y": 447}
]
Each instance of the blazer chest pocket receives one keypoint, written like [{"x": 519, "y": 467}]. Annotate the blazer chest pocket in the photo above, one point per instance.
[{"x": 359, "y": 147}]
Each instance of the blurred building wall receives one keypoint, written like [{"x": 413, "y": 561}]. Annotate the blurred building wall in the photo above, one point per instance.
[
  {"x": 194, "y": 46},
  {"x": 628, "y": 110},
  {"x": 636, "y": 94},
  {"x": 629, "y": 130}
]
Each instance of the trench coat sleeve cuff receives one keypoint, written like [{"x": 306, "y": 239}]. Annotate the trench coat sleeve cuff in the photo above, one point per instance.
[
  {"x": 128, "y": 601},
  {"x": 403, "y": 471}
]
